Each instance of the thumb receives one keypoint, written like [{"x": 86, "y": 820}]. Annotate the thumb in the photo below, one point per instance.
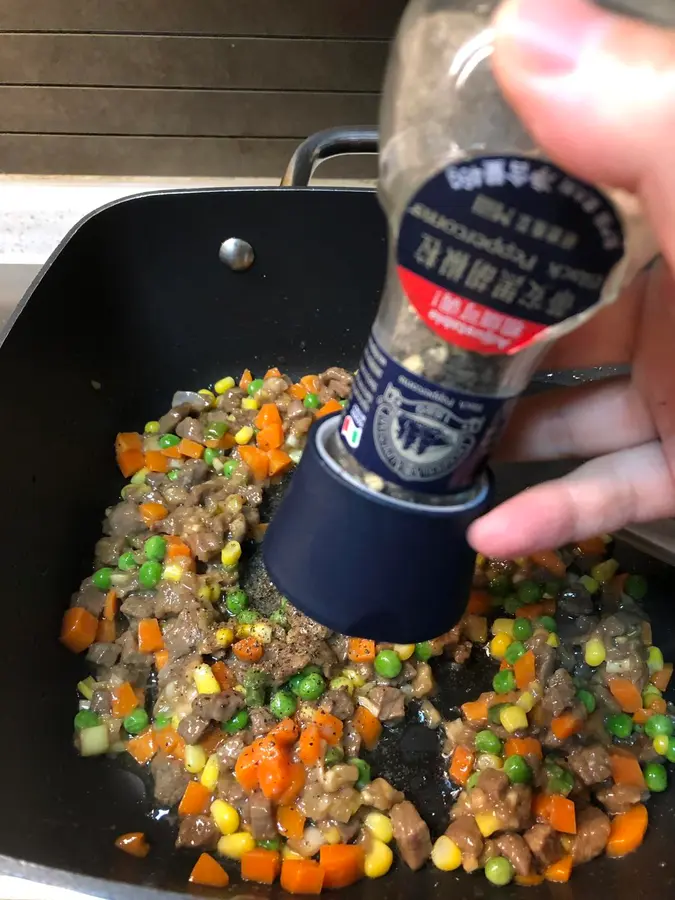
[{"x": 597, "y": 93}]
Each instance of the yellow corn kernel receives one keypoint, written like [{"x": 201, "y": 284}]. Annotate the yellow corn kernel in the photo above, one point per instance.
[
  {"x": 151, "y": 427},
  {"x": 139, "y": 477},
  {"x": 488, "y": 761},
  {"x": 595, "y": 652},
  {"x": 379, "y": 826},
  {"x": 195, "y": 758},
  {"x": 480, "y": 560},
  {"x": 378, "y": 859},
  {"x": 244, "y": 435},
  {"x": 173, "y": 572},
  {"x": 204, "y": 593},
  {"x": 513, "y": 718},
  {"x": 521, "y": 562},
  {"x": 499, "y": 644},
  {"x": 250, "y": 403},
  {"x": 204, "y": 679},
  {"x": 446, "y": 855},
  {"x": 341, "y": 683},
  {"x": 661, "y": 742},
  {"x": 210, "y": 772},
  {"x": 207, "y": 395},
  {"x": 567, "y": 842},
  {"x": 525, "y": 701},
  {"x": 239, "y": 688},
  {"x": 223, "y": 385},
  {"x": 553, "y": 640},
  {"x": 231, "y": 553},
  {"x": 235, "y": 845},
  {"x": 224, "y": 637},
  {"x": 225, "y": 816},
  {"x": 287, "y": 853},
  {"x": 175, "y": 721},
  {"x": 331, "y": 835},
  {"x": 262, "y": 632},
  {"x": 243, "y": 630},
  {"x": 215, "y": 592},
  {"x": 404, "y": 651},
  {"x": 356, "y": 679},
  {"x": 488, "y": 823},
  {"x": 503, "y": 626}
]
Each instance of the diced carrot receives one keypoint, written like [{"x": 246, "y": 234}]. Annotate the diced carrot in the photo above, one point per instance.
[
  {"x": 161, "y": 659},
  {"x": 312, "y": 383},
  {"x": 261, "y": 866},
  {"x": 285, "y": 733},
  {"x": 271, "y": 437},
  {"x": 273, "y": 373},
  {"x": 529, "y": 880},
  {"x": 298, "y": 391},
  {"x": 153, "y": 512},
  {"x": 642, "y": 716},
  {"x": 342, "y": 864},
  {"x": 140, "y": 695},
  {"x": 331, "y": 406},
  {"x": 566, "y": 724},
  {"x": 223, "y": 675},
  {"x": 550, "y": 560},
  {"x": 647, "y": 637},
  {"x": 274, "y": 775},
  {"x": 618, "y": 582},
  {"x": 124, "y": 700},
  {"x": 528, "y": 746},
  {"x": 535, "y": 610},
  {"x": 156, "y": 461},
  {"x": 248, "y": 650},
  {"x": 191, "y": 448},
  {"x": 330, "y": 727},
  {"x": 524, "y": 670},
  {"x": 626, "y": 769},
  {"x": 461, "y": 765},
  {"x": 297, "y": 778},
  {"x": 171, "y": 452},
  {"x": 170, "y": 742},
  {"x": 301, "y": 876},
  {"x": 560, "y": 871},
  {"x": 106, "y": 631},
  {"x": 257, "y": 461},
  {"x": 246, "y": 768},
  {"x": 291, "y": 822},
  {"x": 475, "y": 710},
  {"x": 176, "y": 547},
  {"x": 130, "y": 462},
  {"x": 627, "y": 831},
  {"x": 360, "y": 650},
  {"x": 128, "y": 440},
  {"x": 246, "y": 379},
  {"x": 504, "y": 664},
  {"x": 78, "y": 629},
  {"x": 625, "y": 693},
  {"x": 133, "y": 843},
  {"x": 558, "y": 811},
  {"x": 368, "y": 726},
  {"x": 209, "y": 873},
  {"x": 310, "y": 746},
  {"x": 268, "y": 415},
  {"x": 661, "y": 679},
  {"x": 594, "y": 546},
  {"x": 195, "y": 800},
  {"x": 110, "y": 606},
  {"x": 142, "y": 747},
  {"x": 279, "y": 462},
  {"x": 149, "y": 636},
  {"x": 480, "y": 603}
]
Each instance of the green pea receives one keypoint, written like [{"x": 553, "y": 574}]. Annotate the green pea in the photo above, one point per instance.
[
  {"x": 636, "y": 587},
  {"x": 210, "y": 455},
  {"x": 472, "y": 781},
  {"x": 173, "y": 474},
  {"x": 248, "y": 617},
  {"x": 504, "y": 681},
  {"x": 514, "y": 651},
  {"x": 619, "y": 725},
  {"x": 657, "y": 725},
  {"x": 517, "y": 769},
  {"x": 499, "y": 871},
  {"x": 311, "y": 687},
  {"x": 136, "y": 721},
  {"x": 364, "y": 772},
  {"x": 151, "y": 427},
  {"x": 283, "y": 704},
  {"x": 102, "y": 578},
  {"x": 86, "y": 719},
  {"x": 500, "y": 585},
  {"x": 552, "y": 588},
  {"x": 215, "y": 431},
  {"x": 494, "y": 713},
  {"x": 388, "y": 664},
  {"x": 638, "y": 729},
  {"x": 169, "y": 440},
  {"x": 487, "y": 742},
  {"x": 512, "y": 604},
  {"x": 670, "y": 752},
  {"x": 312, "y": 401},
  {"x": 155, "y": 547},
  {"x": 238, "y": 722},
  {"x": 559, "y": 780},
  {"x": 334, "y": 755},
  {"x": 230, "y": 467},
  {"x": 587, "y": 699},
  {"x": 529, "y": 592},
  {"x": 255, "y": 386},
  {"x": 279, "y": 617},
  {"x": 127, "y": 562},
  {"x": 162, "y": 720},
  {"x": 547, "y": 622},
  {"x": 270, "y": 844},
  {"x": 651, "y": 692},
  {"x": 236, "y": 602},
  {"x": 654, "y": 660},
  {"x": 423, "y": 651},
  {"x": 656, "y": 777},
  {"x": 150, "y": 573}
]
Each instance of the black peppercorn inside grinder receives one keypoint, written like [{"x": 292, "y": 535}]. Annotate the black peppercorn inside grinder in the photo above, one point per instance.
[{"x": 494, "y": 253}]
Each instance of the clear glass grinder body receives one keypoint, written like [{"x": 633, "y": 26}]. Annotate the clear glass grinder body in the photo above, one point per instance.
[{"x": 494, "y": 253}]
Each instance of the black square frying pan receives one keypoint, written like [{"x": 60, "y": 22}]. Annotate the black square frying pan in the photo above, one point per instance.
[{"x": 134, "y": 304}]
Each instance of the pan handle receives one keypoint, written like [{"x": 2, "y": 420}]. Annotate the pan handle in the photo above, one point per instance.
[{"x": 325, "y": 145}]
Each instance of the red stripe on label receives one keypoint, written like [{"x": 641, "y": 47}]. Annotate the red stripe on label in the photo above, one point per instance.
[{"x": 465, "y": 323}]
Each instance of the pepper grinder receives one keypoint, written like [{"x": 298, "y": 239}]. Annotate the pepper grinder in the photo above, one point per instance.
[{"x": 494, "y": 253}]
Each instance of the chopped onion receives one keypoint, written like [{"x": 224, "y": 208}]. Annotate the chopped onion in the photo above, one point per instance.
[
  {"x": 94, "y": 741},
  {"x": 295, "y": 455},
  {"x": 369, "y": 705},
  {"x": 196, "y": 401},
  {"x": 429, "y": 715}
]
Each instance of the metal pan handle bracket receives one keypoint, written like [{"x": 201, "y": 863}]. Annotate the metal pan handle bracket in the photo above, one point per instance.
[{"x": 325, "y": 145}]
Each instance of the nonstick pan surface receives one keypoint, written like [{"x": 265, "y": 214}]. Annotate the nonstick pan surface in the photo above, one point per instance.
[{"x": 134, "y": 305}]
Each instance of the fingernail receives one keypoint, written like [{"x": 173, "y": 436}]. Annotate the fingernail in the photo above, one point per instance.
[{"x": 547, "y": 37}]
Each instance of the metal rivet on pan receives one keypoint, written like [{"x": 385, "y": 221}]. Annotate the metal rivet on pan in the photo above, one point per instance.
[{"x": 236, "y": 254}]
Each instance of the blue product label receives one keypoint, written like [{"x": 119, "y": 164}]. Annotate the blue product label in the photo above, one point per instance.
[{"x": 414, "y": 433}]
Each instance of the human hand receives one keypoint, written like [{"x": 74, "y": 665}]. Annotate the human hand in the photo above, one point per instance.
[{"x": 597, "y": 92}]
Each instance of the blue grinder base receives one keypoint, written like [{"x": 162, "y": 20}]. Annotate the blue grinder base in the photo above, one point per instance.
[{"x": 365, "y": 564}]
